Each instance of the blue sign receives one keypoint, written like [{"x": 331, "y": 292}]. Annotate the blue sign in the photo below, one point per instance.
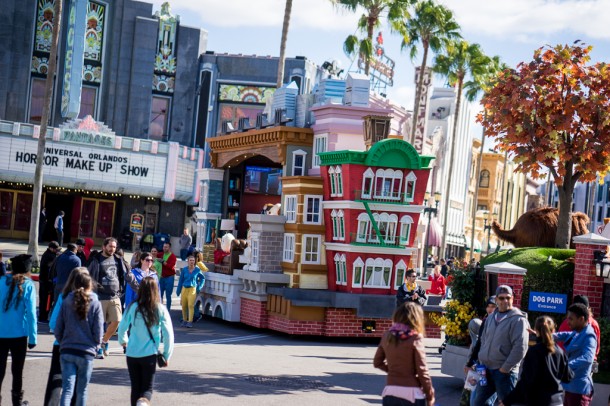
[
  {"x": 73, "y": 66},
  {"x": 548, "y": 302}
]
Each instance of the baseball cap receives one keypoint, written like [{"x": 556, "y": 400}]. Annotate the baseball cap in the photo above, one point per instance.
[
  {"x": 504, "y": 289},
  {"x": 80, "y": 241},
  {"x": 581, "y": 299},
  {"x": 491, "y": 300}
]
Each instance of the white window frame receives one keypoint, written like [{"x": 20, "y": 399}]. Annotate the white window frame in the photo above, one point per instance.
[
  {"x": 303, "y": 154},
  {"x": 338, "y": 220},
  {"x": 373, "y": 237},
  {"x": 316, "y": 253},
  {"x": 290, "y": 208},
  {"x": 289, "y": 246},
  {"x": 331, "y": 178},
  {"x": 340, "y": 269},
  {"x": 368, "y": 174},
  {"x": 398, "y": 277},
  {"x": 255, "y": 251},
  {"x": 410, "y": 179},
  {"x": 338, "y": 181},
  {"x": 307, "y": 213},
  {"x": 358, "y": 263},
  {"x": 378, "y": 267},
  {"x": 320, "y": 143},
  {"x": 363, "y": 227},
  {"x": 405, "y": 229}
]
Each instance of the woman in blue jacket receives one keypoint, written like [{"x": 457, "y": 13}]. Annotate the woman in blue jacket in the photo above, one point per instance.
[
  {"x": 52, "y": 395},
  {"x": 18, "y": 321},
  {"x": 191, "y": 281},
  {"x": 143, "y": 270},
  {"x": 148, "y": 323},
  {"x": 79, "y": 331}
]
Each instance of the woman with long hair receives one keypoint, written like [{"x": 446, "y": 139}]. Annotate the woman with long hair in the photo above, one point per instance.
[
  {"x": 148, "y": 323},
  {"x": 544, "y": 368},
  {"x": 52, "y": 395},
  {"x": 402, "y": 355},
  {"x": 79, "y": 330},
  {"x": 18, "y": 330},
  {"x": 143, "y": 270}
]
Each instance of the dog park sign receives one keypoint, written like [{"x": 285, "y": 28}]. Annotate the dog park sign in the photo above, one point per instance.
[{"x": 548, "y": 302}]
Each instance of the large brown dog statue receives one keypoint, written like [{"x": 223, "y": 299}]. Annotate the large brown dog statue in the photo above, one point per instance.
[{"x": 537, "y": 228}]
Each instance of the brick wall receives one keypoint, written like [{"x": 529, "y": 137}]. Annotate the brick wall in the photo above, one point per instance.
[
  {"x": 337, "y": 323},
  {"x": 254, "y": 313},
  {"x": 585, "y": 281}
]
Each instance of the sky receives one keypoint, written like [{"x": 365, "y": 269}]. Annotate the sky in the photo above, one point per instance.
[{"x": 510, "y": 29}]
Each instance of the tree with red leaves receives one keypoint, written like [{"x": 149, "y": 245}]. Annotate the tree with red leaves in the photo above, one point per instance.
[{"x": 553, "y": 115}]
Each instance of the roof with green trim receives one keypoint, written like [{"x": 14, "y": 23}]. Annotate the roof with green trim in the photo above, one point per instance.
[{"x": 388, "y": 153}]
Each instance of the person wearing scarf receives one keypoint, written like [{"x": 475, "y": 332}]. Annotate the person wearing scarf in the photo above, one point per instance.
[{"x": 410, "y": 291}]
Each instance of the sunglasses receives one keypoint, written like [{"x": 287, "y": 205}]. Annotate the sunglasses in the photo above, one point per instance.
[
  {"x": 149, "y": 260},
  {"x": 503, "y": 298}
]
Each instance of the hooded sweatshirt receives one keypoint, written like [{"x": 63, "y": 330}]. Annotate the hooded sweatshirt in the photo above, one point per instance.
[
  {"x": 20, "y": 318},
  {"x": 504, "y": 340},
  {"x": 76, "y": 336}
]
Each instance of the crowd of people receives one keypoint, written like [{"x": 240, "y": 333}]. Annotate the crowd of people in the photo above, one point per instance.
[
  {"x": 86, "y": 296},
  {"x": 509, "y": 362}
]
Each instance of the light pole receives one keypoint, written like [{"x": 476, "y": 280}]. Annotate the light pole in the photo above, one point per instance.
[
  {"x": 429, "y": 210},
  {"x": 487, "y": 227}
]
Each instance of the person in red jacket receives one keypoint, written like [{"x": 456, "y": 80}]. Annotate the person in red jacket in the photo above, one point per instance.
[
  {"x": 166, "y": 283},
  {"x": 564, "y": 325},
  {"x": 438, "y": 282}
]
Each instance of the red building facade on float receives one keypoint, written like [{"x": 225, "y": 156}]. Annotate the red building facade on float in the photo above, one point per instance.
[{"x": 372, "y": 203}]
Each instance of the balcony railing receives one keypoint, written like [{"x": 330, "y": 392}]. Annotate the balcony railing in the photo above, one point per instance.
[
  {"x": 369, "y": 239},
  {"x": 386, "y": 197}
]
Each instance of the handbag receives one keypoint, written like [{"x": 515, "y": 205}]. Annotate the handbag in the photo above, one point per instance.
[{"x": 161, "y": 361}]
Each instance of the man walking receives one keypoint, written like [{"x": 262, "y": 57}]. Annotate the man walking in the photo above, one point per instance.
[
  {"x": 59, "y": 227},
  {"x": 80, "y": 245},
  {"x": 166, "y": 284},
  {"x": 108, "y": 272},
  {"x": 45, "y": 282},
  {"x": 504, "y": 340},
  {"x": 42, "y": 223},
  {"x": 185, "y": 243},
  {"x": 64, "y": 264},
  {"x": 580, "y": 345}
]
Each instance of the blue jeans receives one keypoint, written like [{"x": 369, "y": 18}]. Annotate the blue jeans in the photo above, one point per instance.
[
  {"x": 166, "y": 285},
  {"x": 497, "y": 383},
  {"x": 75, "y": 368},
  {"x": 490, "y": 402}
]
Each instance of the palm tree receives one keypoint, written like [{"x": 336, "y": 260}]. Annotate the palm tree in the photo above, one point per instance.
[
  {"x": 46, "y": 111},
  {"x": 433, "y": 26},
  {"x": 473, "y": 87},
  {"x": 393, "y": 10},
  {"x": 460, "y": 59},
  {"x": 282, "y": 61}
]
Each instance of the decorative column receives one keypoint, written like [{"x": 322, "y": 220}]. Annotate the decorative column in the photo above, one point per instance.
[
  {"x": 585, "y": 281},
  {"x": 508, "y": 274},
  {"x": 266, "y": 244}
]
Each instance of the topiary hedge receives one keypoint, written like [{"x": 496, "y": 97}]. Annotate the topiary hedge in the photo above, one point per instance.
[{"x": 543, "y": 275}]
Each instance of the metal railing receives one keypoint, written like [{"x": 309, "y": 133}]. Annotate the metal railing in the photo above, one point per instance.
[
  {"x": 387, "y": 197},
  {"x": 370, "y": 239}
]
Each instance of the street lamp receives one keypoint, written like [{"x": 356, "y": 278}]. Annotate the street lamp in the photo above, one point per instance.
[
  {"x": 487, "y": 227},
  {"x": 429, "y": 210}
]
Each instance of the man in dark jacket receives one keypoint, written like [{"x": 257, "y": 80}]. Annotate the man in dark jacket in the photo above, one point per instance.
[
  {"x": 410, "y": 291},
  {"x": 45, "y": 282},
  {"x": 64, "y": 264},
  {"x": 108, "y": 273},
  {"x": 80, "y": 246}
]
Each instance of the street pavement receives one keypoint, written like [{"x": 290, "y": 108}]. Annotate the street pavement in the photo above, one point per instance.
[{"x": 221, "y": 363}]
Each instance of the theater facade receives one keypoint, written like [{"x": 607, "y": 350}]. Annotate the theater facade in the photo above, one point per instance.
[{"x": 99, "y": 179}]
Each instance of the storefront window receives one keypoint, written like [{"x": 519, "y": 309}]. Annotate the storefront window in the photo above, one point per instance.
[{"x": 233, "y": 112}]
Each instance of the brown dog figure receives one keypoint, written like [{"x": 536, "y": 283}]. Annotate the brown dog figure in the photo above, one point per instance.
[{"x": 537, "y": 228}]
